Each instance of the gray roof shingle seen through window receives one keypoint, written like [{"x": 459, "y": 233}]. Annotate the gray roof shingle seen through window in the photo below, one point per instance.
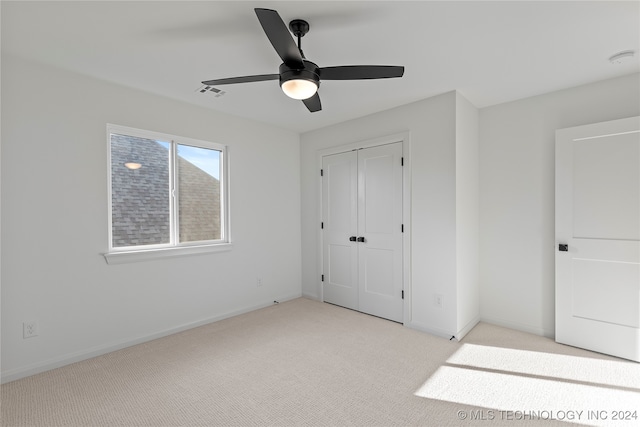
[{"x": 140, "y": 197}]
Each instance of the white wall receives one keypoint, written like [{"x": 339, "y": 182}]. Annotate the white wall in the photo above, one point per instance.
[
  {"x": 54, "y": 221},
  {"x": 517, "y": 196},
  {"x": 432, "y": 127},
  {"x": 467, "y": 216}
]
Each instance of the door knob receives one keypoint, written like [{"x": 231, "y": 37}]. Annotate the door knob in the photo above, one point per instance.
[
  {"x": 563, "y": 247},
  {"x": 352, "y": 238},
  {"x": 361, "y": 239}
]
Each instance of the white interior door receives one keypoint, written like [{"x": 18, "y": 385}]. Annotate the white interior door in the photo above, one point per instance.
[
  {"x": 380, "y": 229},
  {"x": 340, "y": 227},
  {"x": 598, "y": 219},
  {"x": 362, "y": 230}
]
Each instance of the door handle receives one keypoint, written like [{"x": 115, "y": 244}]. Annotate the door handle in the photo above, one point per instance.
[
  {"x": 361, "y": 239},
  {"x": 563, "y": 247},
  {"x": 352, "y": 238}
]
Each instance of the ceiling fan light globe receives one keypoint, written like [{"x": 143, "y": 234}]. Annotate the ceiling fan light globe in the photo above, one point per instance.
[{"x": 299, "y": 88}]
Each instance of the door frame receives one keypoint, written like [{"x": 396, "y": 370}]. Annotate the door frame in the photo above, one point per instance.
[{"x": 405, "y": 139}]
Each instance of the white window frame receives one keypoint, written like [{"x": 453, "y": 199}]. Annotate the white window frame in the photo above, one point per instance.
[{"x": 126, "y": 254}]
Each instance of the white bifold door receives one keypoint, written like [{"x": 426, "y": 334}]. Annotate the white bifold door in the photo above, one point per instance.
[
  {"x": 598, "y": 237},
  {"x": 362, "y": 230}
]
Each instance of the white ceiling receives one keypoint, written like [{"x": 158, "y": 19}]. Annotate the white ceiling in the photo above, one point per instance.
[{"x": 492, "y": 52}]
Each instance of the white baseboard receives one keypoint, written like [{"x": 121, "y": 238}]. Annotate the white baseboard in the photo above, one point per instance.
[
  {"x": 311, "y": 296},
  {"x": 429, "y": 329},
  {"x": 445, "y": 333},
  {"x": 468, "y": 327},
  {"x": 36, "y": 368},
  {"x": 518, "y": 326},
  {"x": 283, "y": 298}
]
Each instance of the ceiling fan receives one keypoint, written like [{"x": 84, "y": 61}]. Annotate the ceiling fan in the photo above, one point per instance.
[{"x": 299, "y": 77}]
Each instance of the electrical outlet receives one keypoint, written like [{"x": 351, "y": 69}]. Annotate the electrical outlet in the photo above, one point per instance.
[
  {"x": 438, "y": 300},
  {"x": 30, "y": 329},
  {"x": 259, "y": 282}
]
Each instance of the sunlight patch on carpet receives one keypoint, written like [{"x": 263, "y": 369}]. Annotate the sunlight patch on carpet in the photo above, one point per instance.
[
  {"x": 598, "y": 371},
  {"x": 524, "y": 385}
]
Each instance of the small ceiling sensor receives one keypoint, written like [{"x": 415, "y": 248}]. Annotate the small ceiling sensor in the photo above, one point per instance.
[{"x": 621, "y": 57}]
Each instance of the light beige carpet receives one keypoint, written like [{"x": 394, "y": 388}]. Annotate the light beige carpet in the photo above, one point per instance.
[{"x": 307, "y": 363}]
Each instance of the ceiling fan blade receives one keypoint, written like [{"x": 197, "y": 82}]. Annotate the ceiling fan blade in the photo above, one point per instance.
[
  {"x": 280, "y": 37},
  {"x": 361, "y": 72},
  {"x": 244, "y": 79},
  {"x": 313, "y": 103}
]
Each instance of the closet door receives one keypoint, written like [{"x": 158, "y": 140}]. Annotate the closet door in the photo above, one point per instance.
[
  {"x": 340, "y": 226},
  {"x": 380, "y": 231},
  {"x": 362, "y": 234}
]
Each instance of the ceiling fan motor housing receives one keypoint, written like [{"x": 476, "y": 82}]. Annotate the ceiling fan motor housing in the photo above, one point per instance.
[{"x": 309, "y": 72}]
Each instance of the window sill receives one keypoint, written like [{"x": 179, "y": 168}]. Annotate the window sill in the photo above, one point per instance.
[{"x": 151, "y": 254}]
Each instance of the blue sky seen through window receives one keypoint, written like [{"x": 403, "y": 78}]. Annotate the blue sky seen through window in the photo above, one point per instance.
[{"x": 206, "y": 159}]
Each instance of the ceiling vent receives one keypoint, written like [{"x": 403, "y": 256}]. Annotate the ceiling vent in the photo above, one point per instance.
[
  {"x": 624, "y": 56},
  {"x": 207, "y": 89}
]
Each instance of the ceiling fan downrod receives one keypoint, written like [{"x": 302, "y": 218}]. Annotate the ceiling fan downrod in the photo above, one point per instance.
[{"x": 299, "y": 27}]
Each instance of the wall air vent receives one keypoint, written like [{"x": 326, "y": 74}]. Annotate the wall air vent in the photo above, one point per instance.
[{"x": 206, "y": 89}]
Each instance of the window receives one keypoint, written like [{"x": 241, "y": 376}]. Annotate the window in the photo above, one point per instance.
[{"x": 166, "y": 192}]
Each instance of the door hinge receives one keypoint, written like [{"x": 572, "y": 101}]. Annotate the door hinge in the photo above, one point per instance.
[
  {"x": 322, "y": 225},
  {"x": 321, "y": 172},
  {"x": 322, "y": 278},
  {"x": 401, "y": 161},
  {"x": 402, "y": 228},
  {"x": 403, "y": 294}
]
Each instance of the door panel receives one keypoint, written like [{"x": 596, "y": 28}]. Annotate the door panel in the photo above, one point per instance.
[
  {"x": 377, "y": 189},
  {"x": 340, "y": 261},
  {"x": 340, "y": 222},
  {"x": 341, "y": 186},
  {"x": 378, "y": 272},
  {"x": 605, "y": 187},
  {"x": 598, "y": 216},
  {"x": 604, "y": 291}
]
